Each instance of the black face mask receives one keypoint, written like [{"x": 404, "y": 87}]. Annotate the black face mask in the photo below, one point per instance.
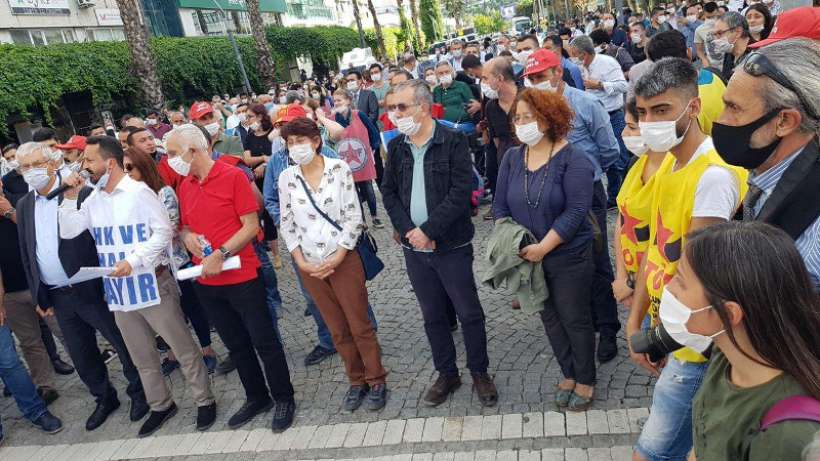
[{"x": 732, "y": 142}]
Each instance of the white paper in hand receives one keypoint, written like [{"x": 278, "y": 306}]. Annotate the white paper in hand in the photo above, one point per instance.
[
  {"x": 87, "y": 273},
  {"x": 231, "y": 263}
]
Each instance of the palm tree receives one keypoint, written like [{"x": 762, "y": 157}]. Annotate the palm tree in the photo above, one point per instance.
[
  {"x": 264, "y": 60},
  {"x": 414, "y": 15},
  {"x": 455, "y": 8},
  {"x": 358, "y": 17},
  {"x": 142, "y": 59},
  {"x": 378, "y": 27}
]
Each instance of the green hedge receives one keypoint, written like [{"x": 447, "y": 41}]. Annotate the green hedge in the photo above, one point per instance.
[{"x": 189, "y": 68}]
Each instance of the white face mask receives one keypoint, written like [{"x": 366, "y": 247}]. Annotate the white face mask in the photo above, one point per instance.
[
  {"x": 212, "y": 128},
  {"x": 376, "y": 77},
  {"x": 489, "y": 92},
  {"x": 546, "y": 85},
  {"x": 150, "y": 122},
  {"x": 302, "y": 154},
  {"x": 446, "y": 80},
  {"x": 636, "y": 38},
  {"x": 391, "y": 115},
  {"x": 501, "y": 47},
  {"x": 756, "y": 29},
  {"x": 522, "y": 56},
  {"x": 661, "y": 19},
  {"x": 254, "y": 126},
  {"x": 37, "y": 178},
  {"x": 662, "y": 136},
  {"x": 315, "y": 95},
  {"x": 635, "y": 145},
  {"x": 529, "y": 133},
  {"x": 352, "y": 86},
  {"x": 457, "y": 53},
  {"x": 180, "y": 166},
  {"x": 692, "y": 17},
  {"x": 711, "y": 21},
  {"x": 722, "y": 45},
  {"x": 241, "y": 117},
  {"x": 609, "y": 23},
  {"x": 674, "y": 315},
  {"x": 431, "y": 79},
  {"x": 408, "y": 125}
]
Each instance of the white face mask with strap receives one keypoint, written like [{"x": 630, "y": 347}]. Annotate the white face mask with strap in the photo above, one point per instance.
[{"x": 674, "y": 315}]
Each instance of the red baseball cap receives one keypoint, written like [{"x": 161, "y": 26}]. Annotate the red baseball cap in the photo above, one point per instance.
[
  {"x": 540, "y": 61},
  {"x": 75, "y": 142},
  {"x": 199, "y": 109},
  {"x": 803, "y": 22},
  {"x": 290, "y": 113}
]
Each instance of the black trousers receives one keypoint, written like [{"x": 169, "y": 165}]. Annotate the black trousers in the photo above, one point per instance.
[
  {"x": 79, "y": 318},
  {"x": 567, "y": 315},
  {"x": 243, "y": 321},
  {"x": 196, "y": 314},
  {"x": 604, "y": 307},
  {"x": 438, "y": 279}
]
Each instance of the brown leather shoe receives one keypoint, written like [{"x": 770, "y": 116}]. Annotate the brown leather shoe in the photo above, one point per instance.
[
  {"x": 485, "y": 388},
  {"x": 441, "y": 389}
]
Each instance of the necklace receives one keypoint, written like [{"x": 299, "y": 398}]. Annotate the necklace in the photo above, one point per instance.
[{"x": 527, "y": 177}]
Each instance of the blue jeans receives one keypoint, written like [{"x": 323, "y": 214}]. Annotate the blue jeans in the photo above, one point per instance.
[
  {"x": 617, "y": 172},
  {"x": 17, "y": 379},
  {"x": 268, "y": 276},
  {"x": 322, "y": 332},
  {"x": 667, "y": 434}
]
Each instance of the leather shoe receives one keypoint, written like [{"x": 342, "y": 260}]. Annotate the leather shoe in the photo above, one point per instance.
[
  {"x": 485, "y": 388},
  {"x": 48, "y": 394},
  {"x": 156, "y": 420},
  {"x": 205, "y": 417},
  {"x": 441, "y": 389},
  {"x": 139, "y": 408},
  {"x": 48, "y": 423},
  {"x": 607, "y": 348},
  {"x": 283, "y": 413},
  {"x": 100, "y": 414},
  {"x": 61, "y": 368},
  {"x": 248, "y": 411}
]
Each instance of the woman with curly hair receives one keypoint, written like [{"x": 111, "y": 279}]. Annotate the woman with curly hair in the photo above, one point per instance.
[{"x": 545, "y": 185}]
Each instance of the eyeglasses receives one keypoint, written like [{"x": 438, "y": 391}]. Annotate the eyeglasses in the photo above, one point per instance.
[
  {"x": 24, "y": 168},
  {"x": 719, "y": 33},
  {"x": 400, "y": 107},
  {"x": 756, "y": 64},
  {"x": 128, "y": 167}
]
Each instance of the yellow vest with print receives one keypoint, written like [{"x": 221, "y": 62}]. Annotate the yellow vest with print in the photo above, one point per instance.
[
  {"x": 672, "y": 206},
  {"x": 635, "y": 208}
]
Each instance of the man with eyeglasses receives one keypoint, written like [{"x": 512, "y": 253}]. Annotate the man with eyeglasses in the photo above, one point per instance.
[
  {"x": 769, "y": 126},
  {"x": 430, "y": 209}
]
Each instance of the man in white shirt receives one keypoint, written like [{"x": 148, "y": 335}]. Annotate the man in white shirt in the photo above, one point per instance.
[
  {"x": 604, "y": 79},
  {"x": 132, "y": 238}
]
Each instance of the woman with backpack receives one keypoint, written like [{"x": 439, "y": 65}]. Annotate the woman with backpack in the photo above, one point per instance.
[{"x": 744, "y": 287}]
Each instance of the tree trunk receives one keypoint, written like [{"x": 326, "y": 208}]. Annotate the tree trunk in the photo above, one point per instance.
[
  {"x": 142, "y": 59},
  {"x": 458, "y": 22},
  {"x": 378, "y": 27},
  {"x": 264, "y": 60},
  {"x": 408, "y": 42},
  {"x": 414, "y": 16},
  {"x": 358, "y": 17}
]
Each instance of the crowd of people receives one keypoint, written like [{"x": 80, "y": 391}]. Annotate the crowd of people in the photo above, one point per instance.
[{"x": 697, "y": 124}]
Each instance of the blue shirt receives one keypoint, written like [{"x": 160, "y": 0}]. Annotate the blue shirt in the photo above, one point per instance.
[
  {"x": 591, "y": 130},
  {"x": 808, "y": 244},
  {"x": 574, "y": 71},
  {"x": 276, "y": 165},
  {"x": 48, "y": 240},
  {"x": 688, "y": 31},
  {"x": 418, "y": 195}
]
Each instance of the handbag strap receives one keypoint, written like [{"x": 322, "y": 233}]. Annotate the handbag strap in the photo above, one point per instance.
[
  {"x": 795, "y": 408},
  {"x": 312, "y": 202}
]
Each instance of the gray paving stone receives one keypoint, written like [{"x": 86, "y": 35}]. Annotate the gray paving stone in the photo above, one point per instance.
[
  {"x": 512, "y": 426},
  {"x": 618, "y": 421},
  {"x": 485, "y": 455},
  {"x": 621, "y": 453},
  {"x": 433, "y": 428},
  {"x": 599, "y": 454},
  {"x": 597, "y": 422},
  {"x": 506, "y": 455},
  {"x": 575, "y": 454},
  {"x": 253, "y": 439},
  {"x": 552, "y": 454},
  {"x": 471, "y": 430},
  {"x": 444, "y": 456},
  {"x": 491, "y": 427},
  {"x": 374, "y": 434},
  {"x": 355, "y": 435},
  {"x": 533, "y": 425},
  {"x": 413, "y": 430},
  {"x": 554, "y": 424},
  {"x": 576, "y": 423},
  {"x": 394, "y": 432},
  {"x": 452, "y": 429},
  {"x": 337, "y": 435},
  {"x": 635, "y": 415}
]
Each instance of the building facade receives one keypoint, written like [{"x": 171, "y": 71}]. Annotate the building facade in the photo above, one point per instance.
[{"x": 43, "y": 22}]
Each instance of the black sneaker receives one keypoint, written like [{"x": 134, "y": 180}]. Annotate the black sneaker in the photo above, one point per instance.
[
  {"x": 205, "y": 417},
  {"x": 318, "y": 354},
  {"x": 376, "y": 398},
  {"x": 108, "y": 355},
  {"x": 139, "y": 408},
  {"x": 248, "y": 411},
  {"x": 283, "y": 415},
  {"x": 607, "y": 348},
  {"x": 48, "y": 394},
  {"x": 354, "y": 397},
  {"x": 156, "y": 420},
  {"x": 61, "y": 368},
  {"x": 377, "y": 223},
  {"x": 101, "y": 412},
  {"x": 162, "y": 346},
  {"x": 49, "y": 423},
  {"x": 168, "y": 366},
  {"x": 226, "y": 366}
]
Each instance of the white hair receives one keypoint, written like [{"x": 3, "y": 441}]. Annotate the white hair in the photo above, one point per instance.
[
  {"x": 189, "y": 136},
  {"x": 31, "y": 148}
]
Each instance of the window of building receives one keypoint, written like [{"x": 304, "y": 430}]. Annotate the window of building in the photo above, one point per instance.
[
  {"x": 106, "y": 35},
  {"x": 42, "y": 37}
]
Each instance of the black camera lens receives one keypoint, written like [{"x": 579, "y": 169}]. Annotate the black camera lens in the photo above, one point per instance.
[{"x": 655, "y": 342}]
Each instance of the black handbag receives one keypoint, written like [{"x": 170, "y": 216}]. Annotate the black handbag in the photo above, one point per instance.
[{"x": 366, "y": 245}]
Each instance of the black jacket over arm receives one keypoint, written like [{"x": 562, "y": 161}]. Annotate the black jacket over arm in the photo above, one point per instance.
[
  {"x": 448, "y": 180},
  {"x": 368, "y": 105},
  {"x": 81, "y": 251}
]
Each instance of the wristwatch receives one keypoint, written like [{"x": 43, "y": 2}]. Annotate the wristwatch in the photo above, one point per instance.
[
  {"x": 225, "y": 253},
  {"x": 8, "y": 213}
]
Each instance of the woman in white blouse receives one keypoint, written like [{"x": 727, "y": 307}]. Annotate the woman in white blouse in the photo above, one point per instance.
[{"x": 330, "y": 267}]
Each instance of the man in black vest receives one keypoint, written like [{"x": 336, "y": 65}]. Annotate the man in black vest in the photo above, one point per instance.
[
  {"x": 80, "y": 309},
  {"x": 770, "y": 126}
]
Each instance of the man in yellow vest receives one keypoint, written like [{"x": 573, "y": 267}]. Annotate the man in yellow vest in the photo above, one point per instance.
[{"x": 698, "y": 189}]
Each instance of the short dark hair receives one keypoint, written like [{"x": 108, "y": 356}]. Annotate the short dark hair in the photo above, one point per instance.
[
  {"x": 405, "y": 73},
  {"x": 131, "y": 129},
  {"x": 43, "y": 134},
  {"x": 356, "y": 73},
  {"x": 564, "y": 31},
  {"x": 599, "y": 36},
  {"x": 9, "y": 147},
  {"x": 375, "y": 65},
  {"x": 669, "y": 44},
  {"x": 668, "y": 74},
  {"x": 639, "y": 24},
  {"x": 132, "y": 132},
  {"x": 710, "y": 7},
  {"x": 470, "y": 62},
  {"x": 302, "y": 126},
  {"x": 109, "y": 147},
  {"x": 631, "y": 107},
  {"x": 94, "y": 126},
  {"x": 530, "y": 37},
  {"x": 657, "y": 10}
]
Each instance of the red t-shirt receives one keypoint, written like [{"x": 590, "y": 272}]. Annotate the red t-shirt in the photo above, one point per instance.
[
  {"x": 212, "y": 208},
  {"x": 168, "y": 175}
]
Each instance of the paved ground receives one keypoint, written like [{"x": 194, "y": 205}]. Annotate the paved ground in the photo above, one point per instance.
[{"x": 520, "y": 358}]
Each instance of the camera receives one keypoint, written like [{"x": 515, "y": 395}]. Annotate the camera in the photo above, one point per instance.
[{"x": 656, "y": 342}]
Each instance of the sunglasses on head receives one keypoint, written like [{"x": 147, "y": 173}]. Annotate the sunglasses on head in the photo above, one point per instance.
[{"x": 756, "y": 65}]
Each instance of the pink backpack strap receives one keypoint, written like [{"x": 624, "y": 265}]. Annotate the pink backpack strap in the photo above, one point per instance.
[{"x": 795, "y": 408}]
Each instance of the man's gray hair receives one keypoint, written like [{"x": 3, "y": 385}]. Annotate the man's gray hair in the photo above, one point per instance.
[
  {"x": 31, "y": 148},
  {"x": 457, "y": 41},
  {"x": 667, "y": 74},
  {"x": 421, "y": 91},
  {"x": 733, "y": 20},
  {"x": 444, "y": 63},
  {"x": 798, "y": 59},
  {"x": 189, "y": 136},
  {"x": 584, "y": 44},
  {"x": 292, "y": 96}
]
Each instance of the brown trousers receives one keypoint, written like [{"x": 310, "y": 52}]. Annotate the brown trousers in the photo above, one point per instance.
[
  {"x": 342, "y": 301},
  {"x": 24, "y": 323}
]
